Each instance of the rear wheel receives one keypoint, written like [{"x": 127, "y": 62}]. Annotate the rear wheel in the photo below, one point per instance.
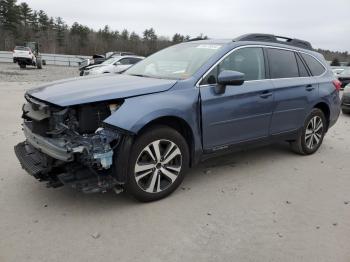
[
  {"x": 312, "y": 134},
  {"x": 39, "y": 63},
  {"x": 159, "y": 159},
  {"x": 22, "y": 66}
]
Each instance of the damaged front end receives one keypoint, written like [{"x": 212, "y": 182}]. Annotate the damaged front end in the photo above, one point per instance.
[{"x": 70, "y": 145}]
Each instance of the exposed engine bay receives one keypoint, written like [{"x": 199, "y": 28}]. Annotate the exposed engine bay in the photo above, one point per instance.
[{"x": 69, "y": 145}]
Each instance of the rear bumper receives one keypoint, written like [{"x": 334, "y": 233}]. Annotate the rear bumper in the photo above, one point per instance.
[{"x": 23, "y": 60}]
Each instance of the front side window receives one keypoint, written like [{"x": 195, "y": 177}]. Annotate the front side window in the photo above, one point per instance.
[
  {"x": 315, "y": 67},
  {"x": 249, "y": 60},
  {"x": 176, "y": 62},
  {"x": 283, "y": 63}
]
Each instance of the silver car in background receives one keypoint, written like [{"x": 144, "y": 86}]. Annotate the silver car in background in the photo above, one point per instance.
[{"x": 113, "y": 65}]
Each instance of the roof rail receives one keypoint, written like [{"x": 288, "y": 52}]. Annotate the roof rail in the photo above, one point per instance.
[
  {"x": 197, "y": 39},
  {"x": 275, "y": 39}
]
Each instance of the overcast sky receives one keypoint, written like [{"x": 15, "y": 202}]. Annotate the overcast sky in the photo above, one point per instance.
[{"x": 326, "y": 24}]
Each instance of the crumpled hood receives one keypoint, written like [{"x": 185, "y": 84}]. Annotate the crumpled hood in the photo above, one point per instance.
[{"x": 83, "y": 90}]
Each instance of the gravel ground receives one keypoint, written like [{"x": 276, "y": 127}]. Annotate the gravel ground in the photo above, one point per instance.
[
  {"x": 266, "y": 204},
  {"x": 12, "y": 73}
]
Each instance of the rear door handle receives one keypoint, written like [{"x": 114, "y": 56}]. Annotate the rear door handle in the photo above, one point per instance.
[
  {"x": 266, "y": 95},
  {"x": 309, "y": 87}
]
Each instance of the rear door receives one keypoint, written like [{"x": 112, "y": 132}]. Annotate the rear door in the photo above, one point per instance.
[
  {"x": 294, "y": 90},
  {"x": 241, "y": 113}
]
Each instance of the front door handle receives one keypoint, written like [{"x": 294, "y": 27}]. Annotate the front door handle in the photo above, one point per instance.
[
  {"x": 309, "y": 87},
  {"x": 266, "y": 95}
]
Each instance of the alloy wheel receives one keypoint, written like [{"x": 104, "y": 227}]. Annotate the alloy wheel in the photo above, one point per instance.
[
  {"x": 314, "y": 132},
  {"x": 158, "y": 166}
]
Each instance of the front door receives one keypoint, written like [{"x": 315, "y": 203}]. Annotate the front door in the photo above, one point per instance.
[{"x": 241, "y": 113}]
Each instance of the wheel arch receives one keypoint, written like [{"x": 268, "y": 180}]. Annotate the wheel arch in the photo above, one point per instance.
[
  {"x": 324, "y": 107},
  {"x": 178, "y": 124}
]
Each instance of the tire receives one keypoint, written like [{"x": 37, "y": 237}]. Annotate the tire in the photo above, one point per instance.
[
  {"x": 312, "y": 133},
  {"x": 345, "y": 111},
  {"x": 39, "y": 63},
  {"x": 164, "y": 173},
  {"x": 22, "y": 66}
]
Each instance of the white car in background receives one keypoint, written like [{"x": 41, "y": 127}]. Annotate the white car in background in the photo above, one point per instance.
[{"x": 113, "y": 65}]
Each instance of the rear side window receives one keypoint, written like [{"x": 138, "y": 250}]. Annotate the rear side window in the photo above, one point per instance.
[
  {"x": 283, "y": 63},
  {"x": 302, "y": 69},
  {"x": 315, "y": 67}
]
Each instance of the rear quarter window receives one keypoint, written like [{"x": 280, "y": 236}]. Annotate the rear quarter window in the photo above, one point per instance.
[{"x": 315, "y": 66}]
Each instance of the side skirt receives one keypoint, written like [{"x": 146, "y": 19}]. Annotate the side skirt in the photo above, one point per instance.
[{"x": 228, "y": 149}]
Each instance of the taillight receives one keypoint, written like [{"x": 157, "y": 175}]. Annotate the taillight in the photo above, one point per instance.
[{"x": 337, "y": 84}]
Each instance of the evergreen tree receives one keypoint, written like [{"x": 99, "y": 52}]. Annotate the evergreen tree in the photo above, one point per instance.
[
  {"x": 9, "y": 15},
  {"x": 25, "y": 14}
]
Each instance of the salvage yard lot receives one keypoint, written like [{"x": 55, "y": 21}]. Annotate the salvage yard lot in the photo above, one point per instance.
[{"x": 265, "y": 204}]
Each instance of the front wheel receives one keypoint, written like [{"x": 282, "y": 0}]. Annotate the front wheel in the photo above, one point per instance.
[
  {"x": 159, "y": 159},
  {"x": 312, "y": 134}
]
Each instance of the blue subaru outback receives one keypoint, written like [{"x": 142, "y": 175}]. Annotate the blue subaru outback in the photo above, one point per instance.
[{"x": 141, "y": 130}]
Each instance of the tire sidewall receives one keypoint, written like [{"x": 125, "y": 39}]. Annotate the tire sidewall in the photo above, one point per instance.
[
  {"x": 319, "y": 113},
  {"x": 147, "y": 137}
]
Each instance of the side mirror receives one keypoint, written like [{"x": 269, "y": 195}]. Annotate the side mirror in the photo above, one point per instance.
[
  {"x": 118, "y": 63},
  {"x": 232, "y": 78},
  {"x": 228, "y": 77}
]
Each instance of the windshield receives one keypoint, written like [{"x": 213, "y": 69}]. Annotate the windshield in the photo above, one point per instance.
[
  {"x": 176, "y": 62},
  {"x": 110, "y": 61}
]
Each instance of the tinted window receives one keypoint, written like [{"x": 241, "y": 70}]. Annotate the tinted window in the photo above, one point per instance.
[
  {"x": 302, "y": 69},
  {"x": 249, "y": 61},
  {"x": 283, "y": 63},
  {"x": 124, "y": 61},
  {"x": 134, "y": 60},
  {"x": 315, "y": 67}
]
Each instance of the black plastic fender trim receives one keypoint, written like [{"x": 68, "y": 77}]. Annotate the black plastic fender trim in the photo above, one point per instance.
[{"x": 121, "y": 159}]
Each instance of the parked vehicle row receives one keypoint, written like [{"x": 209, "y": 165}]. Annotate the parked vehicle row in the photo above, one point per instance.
[
  {"x": 344, "y": 77},
  {"x": 112, "y": 65},
  {"x": 143, "y": 129},
  {"x": 98, "y": 59},
  {"x": 345, "y": 100}
]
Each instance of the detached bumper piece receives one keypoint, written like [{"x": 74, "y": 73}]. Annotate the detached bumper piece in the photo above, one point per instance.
[{"x": 31, "y": 161}]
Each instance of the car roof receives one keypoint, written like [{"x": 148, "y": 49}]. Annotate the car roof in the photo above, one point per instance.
[{"x": 261, "y": 39}]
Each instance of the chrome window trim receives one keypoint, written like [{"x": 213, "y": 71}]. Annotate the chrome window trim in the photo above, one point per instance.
[{"x": 261, "y": 46}]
